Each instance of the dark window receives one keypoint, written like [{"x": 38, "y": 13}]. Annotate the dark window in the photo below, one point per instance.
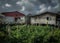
[
  {"x": 48, "y": 18},
  {"x": 19, "y": 18},
  {"x": 15, "y": 19}
]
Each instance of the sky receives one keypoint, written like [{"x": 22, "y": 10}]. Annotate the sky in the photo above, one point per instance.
[{"x": 30, "y": 6}]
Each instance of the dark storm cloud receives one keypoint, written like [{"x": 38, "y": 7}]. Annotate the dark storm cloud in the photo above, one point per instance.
[
  {"x": 29, "y": 6},
  {"x": 5, "y": 5}
]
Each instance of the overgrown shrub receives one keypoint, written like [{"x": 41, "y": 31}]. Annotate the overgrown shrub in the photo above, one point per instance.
[{"x": 32, "y": 34}]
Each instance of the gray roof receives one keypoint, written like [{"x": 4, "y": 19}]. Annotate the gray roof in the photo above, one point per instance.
[{"x": 52, "y": 13}]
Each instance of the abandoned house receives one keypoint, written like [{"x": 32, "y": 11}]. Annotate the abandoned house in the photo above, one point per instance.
[
  {"x": 19, "y": 18},
  {"x": 13, "y": 17},
  {"x": 46, "y": 18}
]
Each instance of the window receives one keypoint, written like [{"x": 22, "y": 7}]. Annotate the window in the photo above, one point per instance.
[
  {"x": 48, "y": 18},
  {"x": 19, "y": 18},
  {"x": 15, "y": 19}
]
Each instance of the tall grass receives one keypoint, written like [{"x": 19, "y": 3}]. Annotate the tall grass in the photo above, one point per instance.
[{"x": 30, "y": 34}]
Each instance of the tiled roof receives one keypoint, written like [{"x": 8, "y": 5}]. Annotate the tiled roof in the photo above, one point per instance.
[{"x": 13, "y": 14}]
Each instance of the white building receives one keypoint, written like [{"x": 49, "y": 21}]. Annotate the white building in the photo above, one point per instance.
[{"x": 14, "y": 17}]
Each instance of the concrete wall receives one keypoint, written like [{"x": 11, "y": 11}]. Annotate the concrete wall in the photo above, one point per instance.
[
  {"x": 11, "y": 20},
  {"x": 1, "y": 18},
  {"x": 42, "y": 19}
]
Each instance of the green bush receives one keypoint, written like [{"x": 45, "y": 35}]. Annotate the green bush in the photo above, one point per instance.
[{"x": 32, "y": 34}]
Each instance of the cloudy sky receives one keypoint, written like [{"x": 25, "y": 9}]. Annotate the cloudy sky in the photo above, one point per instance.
[{"x": 30, "y": 6}]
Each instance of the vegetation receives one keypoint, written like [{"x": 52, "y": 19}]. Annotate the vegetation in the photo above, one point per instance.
[{"x": 29, "y": 34}]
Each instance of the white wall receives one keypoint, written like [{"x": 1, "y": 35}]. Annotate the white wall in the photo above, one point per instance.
[
  {"x": 9, "y": 19},
  {"x": 21, "y": 20},
  {"x": 42, "y": 19},
  {"x": 12, "y": 20}
]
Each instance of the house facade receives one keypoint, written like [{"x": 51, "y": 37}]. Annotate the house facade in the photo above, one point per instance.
[
  {"x": 14, "y": 17},
  {"x": 1, "y": 18},
  {"x": 46, "y": 18},
  {"x": 19, "y": 18}
]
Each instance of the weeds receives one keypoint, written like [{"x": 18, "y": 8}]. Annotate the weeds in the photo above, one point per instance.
[{"x": 30, "y": 34}]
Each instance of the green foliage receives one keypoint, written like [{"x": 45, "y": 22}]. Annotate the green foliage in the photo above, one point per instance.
[{"x": 31, "y": 34}]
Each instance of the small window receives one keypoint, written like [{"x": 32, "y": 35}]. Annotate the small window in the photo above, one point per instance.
[
  {"x": 48, "y": 18},
  {"x": 15, "y": 19},
  {"x": 19, "y": 18}
]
